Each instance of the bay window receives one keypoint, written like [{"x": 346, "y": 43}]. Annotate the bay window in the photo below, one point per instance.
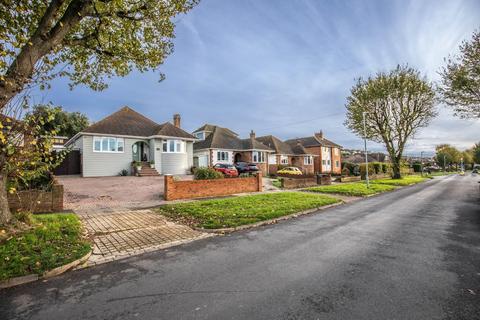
[
  {"x": 173, "y": 146},
  {"x": 258, "y": 156},
  {"x": 308, "y": 160},
  {"x": 222, "y": 156},
  {"x": 108, "y": 144}
]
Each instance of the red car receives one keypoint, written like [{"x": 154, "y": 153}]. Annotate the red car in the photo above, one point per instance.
[{"x": 227, "y": 169}]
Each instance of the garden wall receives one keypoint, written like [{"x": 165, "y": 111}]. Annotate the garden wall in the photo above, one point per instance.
[
  {"x": 175, "y": 190},
  {"x": 292, "y": 183},
  {"x": 38, "y": 200}
]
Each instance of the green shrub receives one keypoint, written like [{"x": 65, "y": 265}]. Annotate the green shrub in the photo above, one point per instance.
[
  {"x": 385, "y": 167},
  {"x": 346, "y": 172},
  {"x": 417, "y": 167},
  {"x": 353, "y": 168},
  {"x": 207, "y": 174},
  {"x": 377, "y": 167},
  {"x": 363, "y": 169}
]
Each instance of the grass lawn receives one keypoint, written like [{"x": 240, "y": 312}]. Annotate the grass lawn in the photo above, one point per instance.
[
  {"x": 236, "y": 211},
  {"x": 54, "y": 240},
  {"x": 352, "y": 189},
  {"x": 405, "y": 181}
]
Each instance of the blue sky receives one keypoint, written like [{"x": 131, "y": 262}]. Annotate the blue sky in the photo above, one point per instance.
[{"x": 286, "y": 67}]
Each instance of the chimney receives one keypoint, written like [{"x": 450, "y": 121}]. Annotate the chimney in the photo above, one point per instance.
[
  {"x": 176, "y": 120},
  {"x": 252, "y": 135},
  {"x": 299, "y": 142},
  {"x": 319, "y": 135}
]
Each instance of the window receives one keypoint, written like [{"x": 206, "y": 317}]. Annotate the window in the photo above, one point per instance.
[
  {"x": 308, "y": 160},
  {"x": 337, "y": 164},
  {"x": 200, "y": 135},
  {"x": 258, "y": 156},
  {"x": 324, "y": 162},
  {"x": 108, "y": 144},
  {"x": 328, "y": 162},
  {"x": 222, "y": 155},
  {"x": 175, "y": 146},
  {"x": 336, "y": 151},
  {"x": 284, "y": 159}
]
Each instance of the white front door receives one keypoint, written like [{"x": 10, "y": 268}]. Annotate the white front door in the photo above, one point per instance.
[{"x": 203, "y": 161}]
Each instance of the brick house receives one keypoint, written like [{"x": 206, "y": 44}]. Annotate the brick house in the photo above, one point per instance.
[
  {"x": 288, "y": 154},
  {"x": 222, "y": 145},
  {"x": 327, "y": 153}
]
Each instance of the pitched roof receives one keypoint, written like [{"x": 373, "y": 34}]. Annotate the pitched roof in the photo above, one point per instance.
[
  {"x": 314, "y": 141},
  {"x": 297, "y": 147},
  {"x": 128, "y": 122},
  {"x": 276, "y": 144},
  {"x": 223, "y": 138},
  {"x": 210, "y": 127}
]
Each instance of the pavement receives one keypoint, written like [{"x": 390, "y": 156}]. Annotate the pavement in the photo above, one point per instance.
[
  {"x": 409, "y": 254},
  {"x": 119, "y": 233}
]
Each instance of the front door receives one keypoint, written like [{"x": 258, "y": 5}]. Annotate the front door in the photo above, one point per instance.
[{"x": 137, "y": 151}]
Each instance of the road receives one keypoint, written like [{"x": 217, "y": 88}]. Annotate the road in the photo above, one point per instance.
[{"x": 410, "y": 254}]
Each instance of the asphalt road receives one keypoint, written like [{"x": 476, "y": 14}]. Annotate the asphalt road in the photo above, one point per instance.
[{"x": 410, "y": 254}]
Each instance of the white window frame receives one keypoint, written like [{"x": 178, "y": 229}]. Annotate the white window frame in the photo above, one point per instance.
[
  {"x": 284, "y": 160},
  {"x": 308, "y": 160},
  {"x": 328, "y": 162},
  {"x": 258, "y": 156},
  {"x": 324, "y": 162},
  {"x": 337, "y": 164},
  {"x": 173, "y": 146},
  {"x": 116, "y": 142},
  {"x": 200, "y": 135},
  {"x": 223, "y": 156}
]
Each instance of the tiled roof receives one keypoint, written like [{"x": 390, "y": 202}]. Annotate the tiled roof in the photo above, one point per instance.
[
  {"x": 210, "y": 127},
  {"x": 314, "y": 141},
  {"x": 222, "y": 138},
  {"x": 128, "y": 122},
  {"x": 276, "y": 144}
]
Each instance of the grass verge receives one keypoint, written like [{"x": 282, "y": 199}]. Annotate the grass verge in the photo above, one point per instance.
[
  {"x": 54, "y": 240},
  {"x": 236, "y": 211},
  {"x": 358, "y": 189},
  {"x": 405, "y": 181}
]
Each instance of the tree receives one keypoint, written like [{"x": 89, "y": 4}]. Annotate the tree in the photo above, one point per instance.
[
  {"x": 476, "y": 153},
  {"x": 84, "y": 40},
  {"x": 460, "y": 86},
  {"x": 26, "y": 154},
  {"x": 447, "y": 155},
  {"x": 66, "y": 123},
  {"x": 396, "y": 104}
]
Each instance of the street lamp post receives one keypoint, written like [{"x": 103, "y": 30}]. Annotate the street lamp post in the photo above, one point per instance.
[
  {"x": 365, "y": 146},
  {"x": 444, "y": 164},
  {"x": 421, "y": 163}
]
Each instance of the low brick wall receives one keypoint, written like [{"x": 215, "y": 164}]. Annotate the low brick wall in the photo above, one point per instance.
[
  {"x": 175, "y": 190},
  {"x": 37, "y": 200},
  {"x": 350, "y": 178},
  {"x": 378, "y": 176},
  {"x": 292, "y": 183}
]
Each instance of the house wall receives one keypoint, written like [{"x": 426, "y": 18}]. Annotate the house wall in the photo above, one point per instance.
[
  {"x": 336, "y": 156},
  {"x": 327, "y": 157},
  {"x": 317, "y": 161},
  {"x": 214, "y": 160},
  {"x": 101, "y": 164},
  {"x": 177, "y": 163},
  {"x": 307, "y": 169},
  {"x": 203, "y": 157}
]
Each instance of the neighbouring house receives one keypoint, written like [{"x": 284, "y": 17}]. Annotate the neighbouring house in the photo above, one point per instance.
[
  {"x": 110, "y": 145},
  {"x": 222, "y": 145},
  {"x": 328, "y": 154},
  {"x": 288, "y": 154}
]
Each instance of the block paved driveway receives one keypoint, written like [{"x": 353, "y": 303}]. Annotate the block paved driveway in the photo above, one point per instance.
[{"x": 108, "y": 208}]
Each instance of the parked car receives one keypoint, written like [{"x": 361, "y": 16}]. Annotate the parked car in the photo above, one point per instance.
[
  {"x": 245, "y": 167},
  {"x": 227, "y": 169},
  {"x": 290, "y": 170}
]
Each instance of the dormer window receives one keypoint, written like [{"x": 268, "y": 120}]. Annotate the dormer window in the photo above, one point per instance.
[{"x": 200, "y": 135}]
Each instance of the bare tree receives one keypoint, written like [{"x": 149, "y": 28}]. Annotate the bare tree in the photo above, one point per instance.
[{"x": 396, "y": 104}]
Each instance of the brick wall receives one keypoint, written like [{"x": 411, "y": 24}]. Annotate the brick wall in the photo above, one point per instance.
[
  {"x": 337, "y": 157},
  {"x": 291, "y": 183},
  {"x": 37, "y": 200},
  {"x": 175, "y": 190}
]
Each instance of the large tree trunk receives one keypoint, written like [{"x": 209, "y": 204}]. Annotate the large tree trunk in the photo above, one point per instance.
[
  {"x": 396, "y": 169},
  {"x": 5, "y": 214}
]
